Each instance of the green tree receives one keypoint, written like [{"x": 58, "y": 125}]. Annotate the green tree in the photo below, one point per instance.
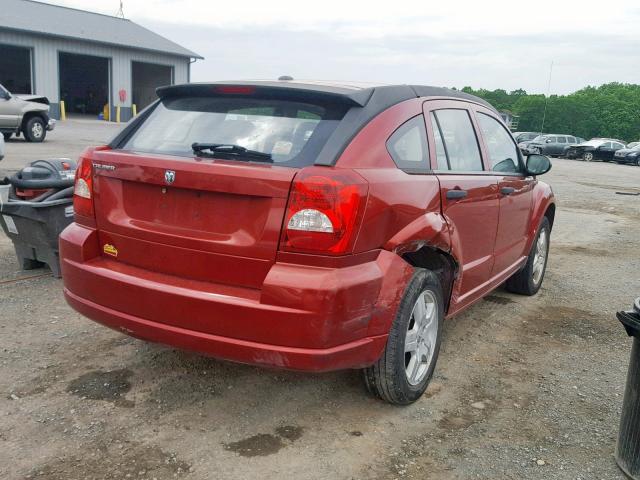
[{"x": 610, "y": 110}]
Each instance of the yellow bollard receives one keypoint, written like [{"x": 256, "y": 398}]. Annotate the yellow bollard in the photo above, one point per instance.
[
  {"x": 118, "y": 114},
  {"x": 134, "y": 109},
  {"x": 63, "y": 111}
]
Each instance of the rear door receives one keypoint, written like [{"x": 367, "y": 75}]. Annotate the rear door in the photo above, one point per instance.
[
  {"x": 469, "y": 194},
  {"x": 162, "y": 208},
  {"x": 514, "y": 190}
]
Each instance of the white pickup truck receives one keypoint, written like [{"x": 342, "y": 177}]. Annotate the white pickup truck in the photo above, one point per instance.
[{"x": 26, "y": 114}]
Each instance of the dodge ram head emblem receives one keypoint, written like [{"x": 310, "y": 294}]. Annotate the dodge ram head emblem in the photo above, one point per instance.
[{"x": 169, "y": 176}]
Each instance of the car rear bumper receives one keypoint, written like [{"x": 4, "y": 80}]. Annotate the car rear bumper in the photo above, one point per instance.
[{"x": 303, "y": 318}]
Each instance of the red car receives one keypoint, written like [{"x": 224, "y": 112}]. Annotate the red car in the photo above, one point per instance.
[{"x": 306, "y": 226}]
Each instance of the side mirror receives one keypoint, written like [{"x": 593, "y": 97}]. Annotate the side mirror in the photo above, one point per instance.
[
  {"x": 538, "y": 164},
  {"x": 548, "y": 140},
  {"x": 5, "y": 95}
]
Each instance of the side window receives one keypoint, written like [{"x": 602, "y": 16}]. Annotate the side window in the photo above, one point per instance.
[
  {"x": 617, "y": 146},
  {"x": 441, "y": 154},
  {"x": 408, "y": 145},
  {"x": 503, "y": 154},
  {"x": 562, "y": 139},
  {"x": 459, "y": 139},
  {"x": 571, "y": 139},
  {"x": 552, "y": 140},
  {"x": 606, "y": 146}
]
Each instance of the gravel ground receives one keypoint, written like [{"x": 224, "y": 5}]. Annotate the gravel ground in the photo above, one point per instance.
[{"x": 526, "y": 387}]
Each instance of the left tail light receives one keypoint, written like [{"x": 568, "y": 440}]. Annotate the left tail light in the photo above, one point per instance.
[
  {"x": 83, "y": 189},
  {"x": 324, "y": 212}
]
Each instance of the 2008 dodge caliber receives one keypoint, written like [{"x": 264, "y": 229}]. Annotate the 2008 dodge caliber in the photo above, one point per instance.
[{"x": 307, "y": 226}]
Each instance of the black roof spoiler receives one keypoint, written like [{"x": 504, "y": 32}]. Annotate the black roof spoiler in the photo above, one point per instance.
[{"x": 274, "y": 90}]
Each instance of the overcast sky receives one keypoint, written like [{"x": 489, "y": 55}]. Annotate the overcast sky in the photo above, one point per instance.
[{"x": 488, "y": 44}]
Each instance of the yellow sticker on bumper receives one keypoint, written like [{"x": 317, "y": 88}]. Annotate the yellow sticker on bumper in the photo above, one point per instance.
[{"x": 110, "y": 250}]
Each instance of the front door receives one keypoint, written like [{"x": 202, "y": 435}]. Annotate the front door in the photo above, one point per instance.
[
  {"x": 605, "y": 152},
  {"x": 469, "y": 195},
  {"x": 514, "y": 190},
  {"x": 9, "y": 110}
]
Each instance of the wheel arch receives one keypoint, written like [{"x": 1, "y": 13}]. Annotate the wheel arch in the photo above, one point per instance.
[
  {"x": 550, "y": 213},
  {"x": 442, "y": 263},
  {"x": 28, "y": 116}
]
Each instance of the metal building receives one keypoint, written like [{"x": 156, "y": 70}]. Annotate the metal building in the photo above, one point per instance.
[{"x": 87, "y": 59}]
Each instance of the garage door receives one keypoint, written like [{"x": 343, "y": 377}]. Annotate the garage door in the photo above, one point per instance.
[{"x": 15, "y": 69}]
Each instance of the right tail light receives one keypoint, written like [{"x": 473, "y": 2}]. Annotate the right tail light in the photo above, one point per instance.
[{"x": 324, "y": 211}]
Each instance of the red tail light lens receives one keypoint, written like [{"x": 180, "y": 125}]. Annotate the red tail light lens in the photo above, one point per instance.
[
  {"x": 83, "y": 189},
  {"x": 324, "y": 210},
  {"x": 235, "y": 90}
]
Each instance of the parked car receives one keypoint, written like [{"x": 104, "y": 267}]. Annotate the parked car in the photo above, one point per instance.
[
  {"x": 633, "y": 144},
  {"x": 1, "y": 147},
  {"x": 304, "y": 226},
  {"x": 628, "y": 155},
  {"x": 595, "y": 149},
  {"x": 26, "y": 114},
  {"x": 524, "y": 136},
  {"x": 552, "y": 144}
]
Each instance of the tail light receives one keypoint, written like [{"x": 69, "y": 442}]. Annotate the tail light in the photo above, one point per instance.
[
  {"x": 83, "y": 189},
  {"x": 324, "y": 210}
]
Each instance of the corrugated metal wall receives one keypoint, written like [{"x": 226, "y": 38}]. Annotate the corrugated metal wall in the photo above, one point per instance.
[{"x": 45, "y": 61}]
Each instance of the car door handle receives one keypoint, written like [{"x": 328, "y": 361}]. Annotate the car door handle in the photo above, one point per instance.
[
  {"x": 456, "y": 194},
  {"x": 507, "y": 190}
]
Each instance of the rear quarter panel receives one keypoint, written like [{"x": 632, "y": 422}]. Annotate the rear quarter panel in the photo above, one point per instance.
[{"x": 403, "y": 210}]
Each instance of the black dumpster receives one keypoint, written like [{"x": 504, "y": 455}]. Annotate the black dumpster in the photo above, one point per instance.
[
  {"x": 35, "y": 206},
  {"x": 628, "y": 449}
]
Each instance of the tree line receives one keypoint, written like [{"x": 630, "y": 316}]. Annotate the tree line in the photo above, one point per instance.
[{"x": 611, "y": 110}]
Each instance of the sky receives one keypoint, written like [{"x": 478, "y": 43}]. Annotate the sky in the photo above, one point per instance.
[{"x": 484, "y": 44}]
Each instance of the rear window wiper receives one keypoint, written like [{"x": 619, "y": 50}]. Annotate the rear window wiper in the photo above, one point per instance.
[{"x": 229, "y": 150}]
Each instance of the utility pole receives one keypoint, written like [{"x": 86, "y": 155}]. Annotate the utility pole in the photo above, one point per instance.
[{"x": 546, "y": 100}]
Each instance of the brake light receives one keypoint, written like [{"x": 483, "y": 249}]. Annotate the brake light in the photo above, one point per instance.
[
  {"x": 324, "y": 210},
  {"x": 83, "y": 189},
  {"x": 235, "y": 90}
]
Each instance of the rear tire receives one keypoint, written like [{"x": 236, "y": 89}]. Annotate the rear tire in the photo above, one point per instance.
[
  {"x": 587, "y": 157},
  {"x": 35, "y": 130},
  {"x": 529, "y": 280},
  {"x": 403, "y": 372},
  {"x": 638, "y": 162}
]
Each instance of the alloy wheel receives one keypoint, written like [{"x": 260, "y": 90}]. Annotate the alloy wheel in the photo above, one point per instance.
[
  {"x": 37, "y": 130},
  {"x": 540, "y": 257},
  {"x": 420, "y": 340}
]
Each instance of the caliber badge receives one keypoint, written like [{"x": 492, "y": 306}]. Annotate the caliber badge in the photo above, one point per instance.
[
  {"x": 110, "y": 250},
  {"x": 169, "y": 176}
]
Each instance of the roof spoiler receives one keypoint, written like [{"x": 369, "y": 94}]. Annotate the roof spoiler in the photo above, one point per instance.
[{"x": 270, "y": 90}]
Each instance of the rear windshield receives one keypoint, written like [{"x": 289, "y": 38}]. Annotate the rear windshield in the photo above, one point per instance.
[{"x": 293, "y": 133}]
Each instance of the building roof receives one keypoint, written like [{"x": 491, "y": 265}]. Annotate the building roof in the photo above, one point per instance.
[{"x": 53, "y": 20}]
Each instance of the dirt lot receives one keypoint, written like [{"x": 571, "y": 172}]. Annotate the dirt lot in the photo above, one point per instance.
[{"x": 525, "y": 387}]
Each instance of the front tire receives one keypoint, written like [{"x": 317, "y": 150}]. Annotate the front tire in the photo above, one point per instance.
[
  {"x": 7, "y": 136},
  {"x": 638, "y": 162},
  {"x": 529, "y": 280},
  {"x": 35, "y": 130},
  {"x": 587, "y": 157},
  {"x": 403, "y": 372}
]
